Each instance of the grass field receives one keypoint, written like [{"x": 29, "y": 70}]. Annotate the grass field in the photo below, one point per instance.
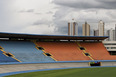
[{"x": 77, "y": 72}]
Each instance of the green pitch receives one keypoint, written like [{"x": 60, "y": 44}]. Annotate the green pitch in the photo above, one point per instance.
[{"x": 77, "y": 72}]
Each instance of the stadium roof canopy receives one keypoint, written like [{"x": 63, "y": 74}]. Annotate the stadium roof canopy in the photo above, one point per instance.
[{"x": 56, "y": 37}]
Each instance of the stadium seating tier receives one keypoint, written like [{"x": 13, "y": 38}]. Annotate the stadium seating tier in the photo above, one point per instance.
[
  {"x": 4, "y": 58},
  {"x": 24, "y": 51},
  {"x": 98, "y": 51},
  {"x": 64, "y": 51}
]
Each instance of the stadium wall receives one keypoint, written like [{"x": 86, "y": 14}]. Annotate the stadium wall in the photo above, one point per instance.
[
  {"x": 15, "y": 67},
  {"x": 105, "y": 63}
]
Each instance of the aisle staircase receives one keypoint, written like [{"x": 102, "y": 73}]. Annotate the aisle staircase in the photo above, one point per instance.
[{"x": 84, "y": 51}]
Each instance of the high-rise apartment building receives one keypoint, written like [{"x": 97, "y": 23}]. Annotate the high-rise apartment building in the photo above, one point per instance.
[
  {"x": 86, "y": 29},
  {"x": 72, "y": 28},
  {"x": 115, "y": 32},
  {"x": 96, "y": 32},
  {"x": 111, "y": 34},
  {"x": 101, "y": 28}
]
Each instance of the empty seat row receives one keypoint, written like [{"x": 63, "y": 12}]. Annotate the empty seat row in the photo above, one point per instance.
[
  {"x": 98, "y": 51},
  {"x": 25, "y": 51},
  {"x": 4, "y": 58},
  {"x": 63, "y": 51}
]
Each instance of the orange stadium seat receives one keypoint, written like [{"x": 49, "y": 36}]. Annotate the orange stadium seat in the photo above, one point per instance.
[
  {"x": 98, "y": 51},
  {"x": 63, "y": 51}
]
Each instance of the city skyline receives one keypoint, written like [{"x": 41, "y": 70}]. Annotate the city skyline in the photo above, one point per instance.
[{"x": 100, "y": 31}]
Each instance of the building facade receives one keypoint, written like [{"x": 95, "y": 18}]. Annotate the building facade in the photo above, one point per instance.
[
  {"x": 115, "y": 32},
  {"x": 86, "y": 29},
  {"x": 101, "y": 28},
  {"x": 110, "y": 46},
  {"x": 72, "y": 28},
  {"x": 96, "y": 32},
  {"x": 111, "y": 34}
]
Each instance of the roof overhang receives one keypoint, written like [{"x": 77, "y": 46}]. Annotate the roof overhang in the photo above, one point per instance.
[{"x": 57, "y": 37}]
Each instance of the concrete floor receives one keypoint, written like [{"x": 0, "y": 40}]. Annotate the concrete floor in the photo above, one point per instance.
[{"x": 25, "y": 67}]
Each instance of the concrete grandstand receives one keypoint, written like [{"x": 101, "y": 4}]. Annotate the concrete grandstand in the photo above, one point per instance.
[
  {"x": 24, "y": 47},
  {"x": 33, "y": 51}
]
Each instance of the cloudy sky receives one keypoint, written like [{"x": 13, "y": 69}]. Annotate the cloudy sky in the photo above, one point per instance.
[{"x": 51, "y": 16}]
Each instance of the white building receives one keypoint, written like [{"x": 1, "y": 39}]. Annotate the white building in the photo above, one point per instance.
[
  {"x": 72, "y": 28},
  {"x": 86, "y": 29},
  {"x": 110, "y": 46},
  {"x": 111, "y": 34},
  {"x": 101, "y": 28},
  {"x": 115, "y": 33},
  {"x": 114, "y": 37},
  {"x": 96, "y": 32}
]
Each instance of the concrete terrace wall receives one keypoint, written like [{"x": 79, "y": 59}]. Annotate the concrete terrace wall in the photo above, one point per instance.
[
  {"x": 36, "y": 66},
  {"x": 15, "y": 67},
  {"x": 108, "y": 63}
]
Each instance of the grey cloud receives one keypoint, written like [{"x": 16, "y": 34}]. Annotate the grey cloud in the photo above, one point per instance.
[
  {"x": 29, "y": 11},
  {"x": 87, "y": 4},
  {"x": 60, "y": 22},
  {"x": 61, "y": 19},
  {"x": 87, "y": 10},
  {"x": 6, "y": 13},
  {"x": 38, "y": 13},
  {"x": 42, "y": 21},
  {"x": 63, "y": 28},
  {"x": 13, "y": 19},
  {"x": 50, "y": 12},
  {"x": 111, "y": 13}
]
